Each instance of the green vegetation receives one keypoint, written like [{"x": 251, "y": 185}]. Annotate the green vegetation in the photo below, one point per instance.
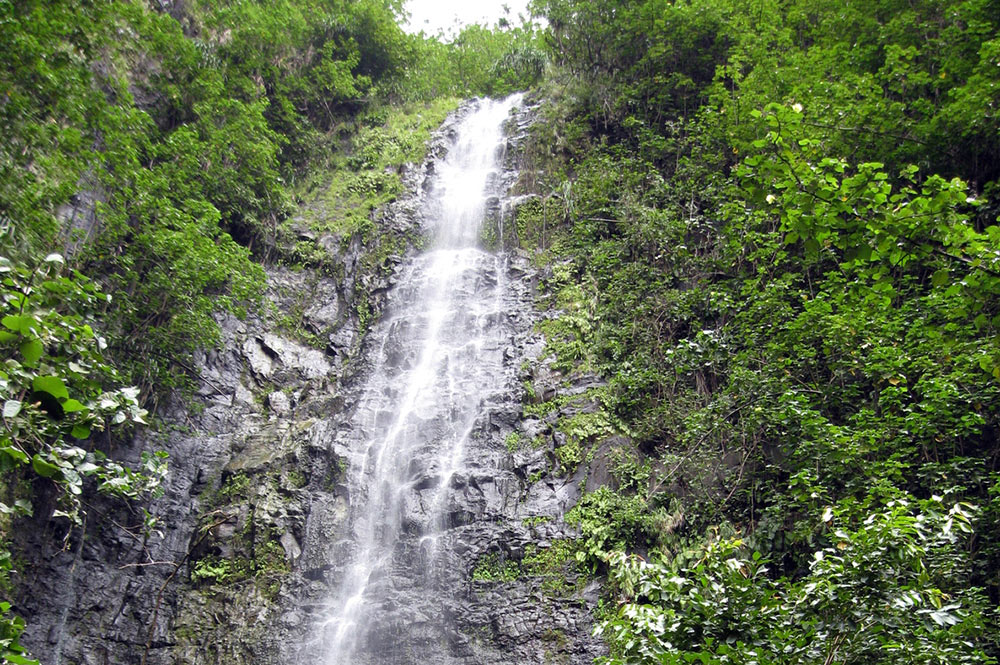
[
  {"x": 535, "y": 520},
  {"x": 772, "y": 228},
  {"x": 368, "y": 176},
  {"x": 265, "y": 567},
  {"x": 478, "y": 61},
  {"x": 513, "y": 441},
  {"x": 581, "y": 430},
  {"x": 874, "y": 593},
  {"x": 341, "y": 197},
  {"x": 494, "y": 567},
  {"x": 558, "y": 567},
  {"x": 58, "y": 394}
]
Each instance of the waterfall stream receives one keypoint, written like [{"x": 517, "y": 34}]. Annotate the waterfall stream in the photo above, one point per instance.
[{"x": 438, "y": 355}]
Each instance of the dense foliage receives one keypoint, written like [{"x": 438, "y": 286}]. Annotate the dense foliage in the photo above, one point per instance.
[
  {"x": 771, "y": 226},
  {"x": 477, "y": 61}
]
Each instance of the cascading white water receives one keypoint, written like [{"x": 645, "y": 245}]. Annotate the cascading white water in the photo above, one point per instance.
[{"x": 439, "y": 356}]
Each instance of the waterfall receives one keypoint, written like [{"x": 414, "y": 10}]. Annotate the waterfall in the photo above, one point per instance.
[{"x": 438, "y": 353}]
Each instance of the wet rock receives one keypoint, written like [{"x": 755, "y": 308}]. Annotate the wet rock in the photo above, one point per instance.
[
  {"x": 242, "y": 396},
  {"x": 294, "y": 357},
  {"x": 344, "y": 338},
  {"x": 291, "y": 546},
  {"x": 607, "y": 453},
  {"x": 279, "y": 403},
  {"x": 259, "y": 360},
  {"x": 324, "y": 316}
]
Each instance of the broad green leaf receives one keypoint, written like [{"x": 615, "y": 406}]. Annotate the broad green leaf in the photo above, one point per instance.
[
  {"x": 72, "y": 405},
  {"x": 52, "y": 385},
  {"x": 72, "y": 481},
  {"x": 54, "y": 286},
  {"x": 31, "y": 351},
  {"x": 18, "y": 323},
  {"x": 15, "y": 453},
  {"x": 940, "y": 278},
  {"x": 944, "y": 618},
  {"x": 44, "y": 468},
  {"x": 80, "y": 432},
  {"x": 11, "y": 408}
]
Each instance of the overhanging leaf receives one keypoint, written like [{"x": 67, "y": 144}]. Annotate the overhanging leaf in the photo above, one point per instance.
[
  {"x": 52, "y": 385},
  {"x": 15, "y": 453}
]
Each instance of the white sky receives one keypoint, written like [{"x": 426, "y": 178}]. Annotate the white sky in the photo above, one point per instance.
[{"x": 434, "y": 15}]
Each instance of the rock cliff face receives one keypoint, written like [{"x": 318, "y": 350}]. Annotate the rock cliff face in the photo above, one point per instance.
[{"x": 251, "y": 540}]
